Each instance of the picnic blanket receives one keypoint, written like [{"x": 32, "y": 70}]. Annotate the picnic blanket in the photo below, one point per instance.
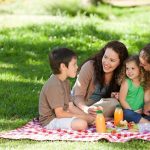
[{"x": 33, "y": 130}]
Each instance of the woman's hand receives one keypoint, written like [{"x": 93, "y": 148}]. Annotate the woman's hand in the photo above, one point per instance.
[
  {"x": 115, "y": 95},
  {"x": 146, "y": 110},
  {"x": 92, "y": 110},
  {"x": 90, "y": 119}
]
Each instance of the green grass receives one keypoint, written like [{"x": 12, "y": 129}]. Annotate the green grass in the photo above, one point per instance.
[
  {"x": 24, "y": 52},
  {"x": 59, "y": 145}
]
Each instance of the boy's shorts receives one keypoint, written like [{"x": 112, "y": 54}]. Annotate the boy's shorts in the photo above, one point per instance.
[{"x": 60, "y": 123}]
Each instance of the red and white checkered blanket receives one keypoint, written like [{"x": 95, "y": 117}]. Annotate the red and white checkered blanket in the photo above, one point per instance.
[{"x": 34, "y": 131}]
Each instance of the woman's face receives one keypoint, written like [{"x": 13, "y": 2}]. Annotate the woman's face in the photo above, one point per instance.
[
  {"x": 110, "y": 60},
  {"x": 143, "y": 61}
]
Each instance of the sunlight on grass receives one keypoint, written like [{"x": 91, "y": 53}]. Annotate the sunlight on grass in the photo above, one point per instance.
[
  {"x": 33, "y": 62},
  {"x": 10, "y": 77},
  {"x": 57, "y": 145},
  {"x": 6, "y": 65},
  {"x": 17, "y": 78}
]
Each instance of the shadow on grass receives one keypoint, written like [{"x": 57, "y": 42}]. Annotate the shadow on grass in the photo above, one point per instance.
[
  {"x": 27, "y": 48},
  {"x": 19, "y": 99},
  {"x": 6, "y": 124}
]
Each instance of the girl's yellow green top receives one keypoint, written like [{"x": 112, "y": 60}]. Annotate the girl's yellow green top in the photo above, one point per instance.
[{"x": 135, "y": 95}]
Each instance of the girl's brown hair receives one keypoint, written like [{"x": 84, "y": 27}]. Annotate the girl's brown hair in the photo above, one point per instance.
[{"x": 134, "y": 58}]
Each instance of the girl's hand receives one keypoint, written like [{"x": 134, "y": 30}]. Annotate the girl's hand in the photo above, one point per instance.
[
  {"x": 115, "y": 95},
  {"x": 139, "y": 111}
]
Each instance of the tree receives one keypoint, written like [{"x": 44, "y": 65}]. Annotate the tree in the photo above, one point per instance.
[{"x": 89, "y": 2}]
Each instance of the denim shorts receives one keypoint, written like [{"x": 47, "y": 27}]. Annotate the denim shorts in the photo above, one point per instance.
[{"x": 131, "y": 115}]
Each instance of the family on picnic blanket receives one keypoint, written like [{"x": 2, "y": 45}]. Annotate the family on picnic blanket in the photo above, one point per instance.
[{"x": 108, "y": 78}]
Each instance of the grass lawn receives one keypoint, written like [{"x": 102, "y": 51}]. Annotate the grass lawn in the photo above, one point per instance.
[{"x": 26, "y": 42}]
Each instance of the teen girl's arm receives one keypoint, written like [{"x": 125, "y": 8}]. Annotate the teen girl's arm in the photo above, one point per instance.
[{"x": 123, "y": 94}]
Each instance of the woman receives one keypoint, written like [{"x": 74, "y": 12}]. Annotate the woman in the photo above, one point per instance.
[
  {"x": 97, "y": 79},
  {"x": 145, "y": 63},
  {"x": 145, "y": 58}
]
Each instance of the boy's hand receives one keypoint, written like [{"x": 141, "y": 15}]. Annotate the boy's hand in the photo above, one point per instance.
[
  {"x": 115, "y": 95},
  {"x": 90, "y": 119}
]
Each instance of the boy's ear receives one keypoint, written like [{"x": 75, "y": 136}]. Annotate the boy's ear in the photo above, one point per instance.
[{"x": 62, "y": 66}]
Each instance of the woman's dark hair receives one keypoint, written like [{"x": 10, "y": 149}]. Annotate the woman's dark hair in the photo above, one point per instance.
[
  {"x": 146, "y": 51},
  {"x": 122, "y": 52},
  {"x": 58, "y": 56}
]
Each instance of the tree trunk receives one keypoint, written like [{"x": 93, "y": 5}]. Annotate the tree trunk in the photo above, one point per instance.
[{"x": 89, "y": 2}]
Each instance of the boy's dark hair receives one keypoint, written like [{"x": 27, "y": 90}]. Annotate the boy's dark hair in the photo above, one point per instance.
[{"x": 58, "y": 56}]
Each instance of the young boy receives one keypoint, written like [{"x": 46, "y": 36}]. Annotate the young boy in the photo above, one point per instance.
[{"x": 56, "y": 108}]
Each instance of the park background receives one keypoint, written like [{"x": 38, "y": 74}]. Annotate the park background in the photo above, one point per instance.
[{"x": 30, "y": 29}]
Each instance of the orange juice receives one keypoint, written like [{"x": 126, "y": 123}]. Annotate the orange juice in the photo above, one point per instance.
[
  {"x": 100, "y": 122},
  {"x": 118, "y": 115}
]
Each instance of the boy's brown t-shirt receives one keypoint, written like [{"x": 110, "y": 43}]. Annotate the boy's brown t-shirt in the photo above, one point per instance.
[{"x": 55, "y": 93}]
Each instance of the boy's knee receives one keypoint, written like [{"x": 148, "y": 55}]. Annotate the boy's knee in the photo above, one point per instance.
[
  {"x": 83, "y": 125},
  {"x": 79, "y": 124}
]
